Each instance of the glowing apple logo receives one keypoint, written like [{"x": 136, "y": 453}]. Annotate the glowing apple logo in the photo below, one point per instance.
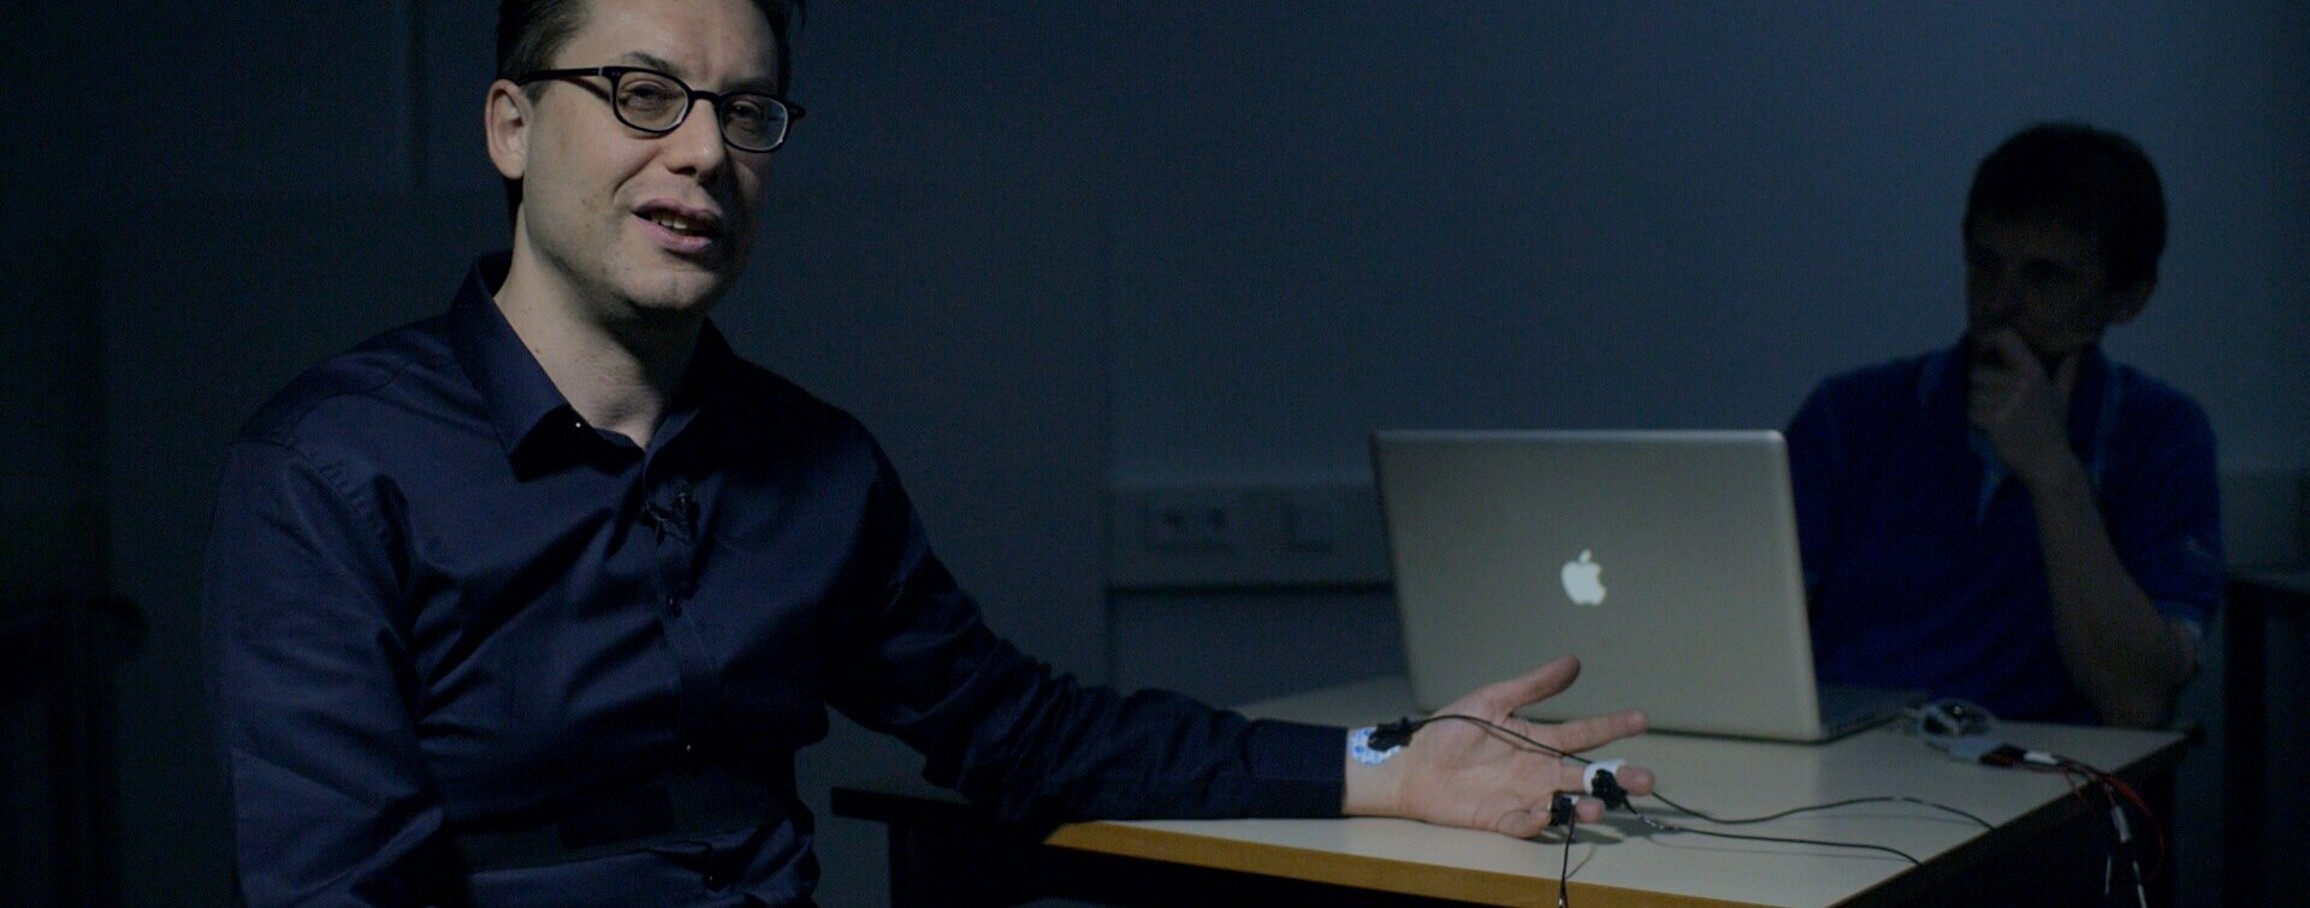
[{"x": 1583, "y": 581}]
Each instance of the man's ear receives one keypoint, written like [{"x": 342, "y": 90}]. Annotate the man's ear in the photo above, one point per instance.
[
  {"x": 2127, "y": 303},
  {"x": 505, "y": 121}
]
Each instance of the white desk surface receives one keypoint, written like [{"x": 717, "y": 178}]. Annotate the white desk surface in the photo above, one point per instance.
[{"x": 1618, "y": 861}]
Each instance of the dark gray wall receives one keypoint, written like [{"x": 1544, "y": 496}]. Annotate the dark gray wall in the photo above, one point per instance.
[
  {"x": 1043, "y": 250},
  {"x": 1358, "y": 215},
  {"x": 52, "y": 510},
  {"x": 51, "y": 504}
]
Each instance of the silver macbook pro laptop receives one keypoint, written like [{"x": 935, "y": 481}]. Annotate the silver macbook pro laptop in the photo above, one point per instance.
[{"x": 1666, "y": 560}]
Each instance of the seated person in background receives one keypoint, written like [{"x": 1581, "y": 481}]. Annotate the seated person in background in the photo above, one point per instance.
[
  {"x": 2016, "y": 520},
  {"x": 533, "y": 602}
]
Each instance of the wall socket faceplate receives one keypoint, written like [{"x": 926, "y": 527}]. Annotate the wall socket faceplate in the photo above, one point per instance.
[{"x": 1244, "y": 534}]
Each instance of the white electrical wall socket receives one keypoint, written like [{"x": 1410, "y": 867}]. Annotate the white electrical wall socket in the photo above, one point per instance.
[{"x": 1245, "y": 535}]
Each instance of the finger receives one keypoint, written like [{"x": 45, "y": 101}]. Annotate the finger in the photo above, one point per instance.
[
  {"x": 1522, "y": 822},
  {"x": 1989, "y": 398},
  {"x": 1503, "y": 697},
  {"x": 1637, "y": 779},
  {"x": 1572, "y": 777},
  {"x": 2003, "y": 352},
  {"x": 1996, "y": 383},
  {"x": 1596, "y": 731},
  {"x": 2065, "y": 374},
  {"x": 1990, "y": 389}
]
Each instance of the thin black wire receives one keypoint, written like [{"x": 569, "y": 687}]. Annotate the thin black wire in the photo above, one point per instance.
[
  {"x": 1564, "y": 874},
  {"x": 2110, "y": 786},
  {"x": 1406, "y": 726},
  {"x": 1665, "y": 826},
  {"x": 1879, "y": 799},
  {"x": 1411, "y": 725}
]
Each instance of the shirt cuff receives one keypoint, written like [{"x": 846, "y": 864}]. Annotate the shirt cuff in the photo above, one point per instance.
[
  {"x": 2191, "y": 616},
  {"x": 1301, "y": 767}
]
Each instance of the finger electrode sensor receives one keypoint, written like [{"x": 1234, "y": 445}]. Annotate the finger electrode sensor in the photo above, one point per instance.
[{"x": 1601, "y": 782}]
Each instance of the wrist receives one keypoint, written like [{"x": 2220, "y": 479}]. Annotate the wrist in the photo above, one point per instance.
[
  {"x": 2058, "y": 477},
  {"x": 1372, "y": 776},
  {"x": 1370, "y": 747}
]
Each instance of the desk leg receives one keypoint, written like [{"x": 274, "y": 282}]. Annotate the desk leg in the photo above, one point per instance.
[
  {"x": 2244, "y": 773},
  {"x": 2160, "y": 794}
]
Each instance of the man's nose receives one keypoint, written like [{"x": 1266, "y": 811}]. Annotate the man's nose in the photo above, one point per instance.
[{"x": 698, "y": 140}]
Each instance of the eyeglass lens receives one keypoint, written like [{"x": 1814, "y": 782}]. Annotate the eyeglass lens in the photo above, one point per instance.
[{"x": 658, "y": 103}]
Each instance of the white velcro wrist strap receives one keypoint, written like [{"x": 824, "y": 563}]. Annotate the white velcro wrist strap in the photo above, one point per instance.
[{"x": 1360, "y": 747}]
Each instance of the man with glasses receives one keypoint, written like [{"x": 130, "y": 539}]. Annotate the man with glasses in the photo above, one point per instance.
[
  {"x": 2017, "y": 520},
  {"x": 533, "y": 602}
]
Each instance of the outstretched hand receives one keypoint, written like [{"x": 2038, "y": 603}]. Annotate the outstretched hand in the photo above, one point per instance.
[{"x": 1459, "y": 773}]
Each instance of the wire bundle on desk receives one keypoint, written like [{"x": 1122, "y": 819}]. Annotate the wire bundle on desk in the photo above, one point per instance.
[
  {"x": 2117, "y": 794},
  {"x": 1607, "y": 789},
  {"x": 1963, "y": 730}
]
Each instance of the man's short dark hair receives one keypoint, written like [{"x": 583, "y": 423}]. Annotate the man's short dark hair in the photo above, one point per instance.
[
  {"x": 530, "y": 32},
  {"x": 2084, "y": 178}
]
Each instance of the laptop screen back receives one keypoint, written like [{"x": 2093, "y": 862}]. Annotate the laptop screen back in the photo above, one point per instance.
[{"x": 1666, "y": 560}]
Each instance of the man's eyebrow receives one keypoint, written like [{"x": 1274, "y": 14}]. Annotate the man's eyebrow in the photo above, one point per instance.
[
  {"x": 643, "y": 58},
  {"x": 764, "y": 84}
]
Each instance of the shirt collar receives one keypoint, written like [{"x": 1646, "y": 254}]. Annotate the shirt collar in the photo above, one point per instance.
[{"x": 531, "y": 416}]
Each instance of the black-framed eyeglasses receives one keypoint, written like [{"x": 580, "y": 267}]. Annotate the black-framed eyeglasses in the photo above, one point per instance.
[{"x": 657, "y": 103}]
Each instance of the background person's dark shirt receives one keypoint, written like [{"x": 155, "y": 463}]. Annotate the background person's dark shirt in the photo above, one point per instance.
[{"x": 1921, "y": 549}]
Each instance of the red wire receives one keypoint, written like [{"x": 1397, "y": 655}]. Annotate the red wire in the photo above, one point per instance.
[{"x": 2077, "y": 774}]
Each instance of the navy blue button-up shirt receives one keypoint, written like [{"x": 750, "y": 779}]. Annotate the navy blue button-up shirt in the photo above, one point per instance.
[
  {"x": 440, "y": 608},
  {"x": 1921, "y": 549}
]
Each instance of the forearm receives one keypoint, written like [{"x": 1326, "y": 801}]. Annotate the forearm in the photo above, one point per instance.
[
  {"x": 2128, "y": 659},
  {"x": 1037, "y": 748}
]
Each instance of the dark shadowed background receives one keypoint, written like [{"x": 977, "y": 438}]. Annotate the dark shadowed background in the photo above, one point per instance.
[{"x": 1053, "y": 251}]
